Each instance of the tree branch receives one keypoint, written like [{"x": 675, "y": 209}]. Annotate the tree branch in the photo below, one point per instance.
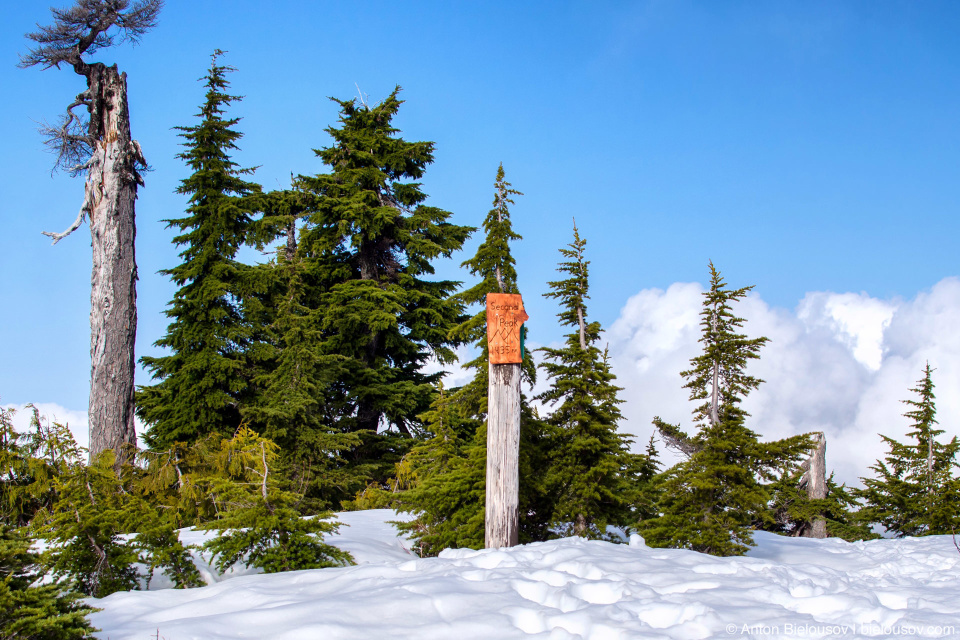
[
  {"x": 84, "y": 210},
  {"x": 84, "y": 28}
]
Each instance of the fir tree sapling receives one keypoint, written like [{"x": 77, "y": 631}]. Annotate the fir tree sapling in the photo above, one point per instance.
[
  {"x": 791, "y": 511},
  {"x": 445, "y": 483},
  {"x": 915, "y": 490},
  {"x": 90, "y": 532},
  {"x": 201, "y": 383},
  {"x": 710, "y": 501},
  {"x": 590, "y": 475},
  {"x": 258, "y": 523},
  {"x": 31, "y": 608}
]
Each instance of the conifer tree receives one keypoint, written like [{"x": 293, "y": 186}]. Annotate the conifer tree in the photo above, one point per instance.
[
  {"x": 371, "y": 241},
  {"x": 646, "y": 475},
  {"x": 915, "y": 491},
  {"x": 85, "y": 531},
  {"x": 201, "y": 383},
  {"x": 710, "y": 501},
  {"x": 589, "y": 477},
  {"x": 293, "y": 404},
  {"x": 258, "y": 522},
  {"x": 33, "y": 608},
  {"x": 495, "y": 265},
  {"x": 445, "y": 484}
]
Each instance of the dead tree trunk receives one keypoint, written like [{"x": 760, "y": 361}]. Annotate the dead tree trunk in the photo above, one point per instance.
[
  {"x": 101, "y": 146},
  {"x": 503, "y": 455},
  {"x": 111, "y": 191},
  {"x": 816, "y": 482}
]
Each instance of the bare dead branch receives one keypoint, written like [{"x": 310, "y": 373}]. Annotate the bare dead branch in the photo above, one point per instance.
[
  {"x": 70, "y": 139},
  {"x": 57, "y": 237},
  {"x": 86, "y": 208}
]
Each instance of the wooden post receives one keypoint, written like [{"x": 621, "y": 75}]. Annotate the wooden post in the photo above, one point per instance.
[{"x": 505, "y": 316}]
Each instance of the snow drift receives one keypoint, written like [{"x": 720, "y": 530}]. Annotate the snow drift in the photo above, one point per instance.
[{"x": 565, "y": 589}]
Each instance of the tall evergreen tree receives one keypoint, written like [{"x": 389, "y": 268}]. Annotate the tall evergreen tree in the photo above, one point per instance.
[
  {"x": 495, "y": 265},
  {"x": 589, "y": 477},
  {"x": 915, "y": 491},
  {"x": 201, "y": 382},
  {"x": 294, "y": 379},
  {"x": 710, "y": 500},
  {"x": 367, "y": 248}
]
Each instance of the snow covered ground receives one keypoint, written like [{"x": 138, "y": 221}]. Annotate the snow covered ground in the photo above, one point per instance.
[{"x": 564, "y": 589}]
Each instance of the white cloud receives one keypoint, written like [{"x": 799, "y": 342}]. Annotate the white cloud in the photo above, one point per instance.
[{"x": 839, "y": 363}]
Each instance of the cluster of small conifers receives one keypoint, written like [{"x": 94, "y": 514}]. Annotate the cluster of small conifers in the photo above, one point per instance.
[{"x": 111, "y": 524}]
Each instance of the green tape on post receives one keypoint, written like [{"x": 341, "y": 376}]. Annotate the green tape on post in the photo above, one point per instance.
[{"x": 523, "y": 340}]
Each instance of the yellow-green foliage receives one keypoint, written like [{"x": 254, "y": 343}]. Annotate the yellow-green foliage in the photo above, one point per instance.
[{"x": 256, "y": 516}]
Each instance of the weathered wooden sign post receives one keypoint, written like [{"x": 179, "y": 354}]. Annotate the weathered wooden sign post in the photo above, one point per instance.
[{"x": 505, "y": 317}]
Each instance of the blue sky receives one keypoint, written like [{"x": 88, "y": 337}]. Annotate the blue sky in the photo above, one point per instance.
[{"x": 802, "y": 146}]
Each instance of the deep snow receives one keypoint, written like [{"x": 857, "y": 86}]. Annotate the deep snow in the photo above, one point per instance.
[{"x": 570, "y": 588}]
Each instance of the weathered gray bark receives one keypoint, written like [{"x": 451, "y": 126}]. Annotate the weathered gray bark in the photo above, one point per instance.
[
  {"x": 583, "y": 329},
  {"x": 102, "y": 147},
  {"x": 816, "y": 481},
  {"x": 503, "y": 456},
  {"x": 715, "y": 389},
  {"x": 110, "y": 194}
]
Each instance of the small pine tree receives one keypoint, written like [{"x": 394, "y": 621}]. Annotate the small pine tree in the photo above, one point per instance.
[
  {"x": 445, "y": 491},
  {"x": 202, "y": 381},
  {"x": 89, "y": 532},
  {"x": 646, "y": 475},
  {"x": 31, "y": 608},
  {"x": 710, "y": 501},
  {"x": 258, "y": 522},
  {"x": 588, "y": 477},
  {"x": 915, "y": 491}
]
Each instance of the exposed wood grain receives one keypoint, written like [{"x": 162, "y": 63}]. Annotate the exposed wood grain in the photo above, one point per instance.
[{"x": 503, "y": 453}]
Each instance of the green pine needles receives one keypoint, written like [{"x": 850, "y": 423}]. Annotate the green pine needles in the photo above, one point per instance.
[
  {"x": 370, "y": 241},
  {"x": 31, "y": 608},
  {"x": 202, "y": 382},
  {"x": 710, "y": 501},
  {"x": 590, "y": 474},
  {"x": 258, "y": 522},
  {"x": 914, "y": 491},
  {"x": 446, "y": 474}
]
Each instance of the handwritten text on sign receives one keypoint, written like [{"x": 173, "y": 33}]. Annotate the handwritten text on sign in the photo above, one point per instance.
[{"x": 505, "y": 315}]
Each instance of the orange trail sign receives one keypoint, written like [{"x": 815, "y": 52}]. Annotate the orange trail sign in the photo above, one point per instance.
[{"x": 505, "y": 316}]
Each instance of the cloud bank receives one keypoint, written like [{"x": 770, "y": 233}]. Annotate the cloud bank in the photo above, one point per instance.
[{"x": 840, "y": 363}]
